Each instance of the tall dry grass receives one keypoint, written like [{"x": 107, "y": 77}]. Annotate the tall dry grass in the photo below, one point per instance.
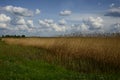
[{"x": 78, "y": 54}]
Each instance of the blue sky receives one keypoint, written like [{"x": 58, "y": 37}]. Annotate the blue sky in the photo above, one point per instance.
[{"x": 56, "y": 17}]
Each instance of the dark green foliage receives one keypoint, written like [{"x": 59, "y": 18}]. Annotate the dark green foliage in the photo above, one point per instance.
[
  {"x": 23, "y": 36},
  {"x": 13, "y": 36}
]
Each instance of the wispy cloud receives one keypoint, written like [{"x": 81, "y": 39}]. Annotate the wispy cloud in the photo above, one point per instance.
[{"x": 113, "y": 12}]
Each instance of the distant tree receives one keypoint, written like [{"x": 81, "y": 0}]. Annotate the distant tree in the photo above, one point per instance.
[
  {"x": 12, "y": 36},
  {"x": 7, "y": 36},
  {"x": 18, "y": 36},
  {"x": 23, "y": 36},
  {"x": 3, "y": 36}
]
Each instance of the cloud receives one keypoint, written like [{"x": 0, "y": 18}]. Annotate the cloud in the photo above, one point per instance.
[
  {"x": 17, "y": 19},
  {"x": 44, "y": 23},
  {"x": 93, "y": 23},
  {"x": 79, "y": 28},
  {"x": 49, "y": 23},
  {"x": 65, "y": 13},
  {"x": 77, "y": 17},
  {"x": 84, "y": 27},
  {"x": 3, "y": 25},
  {"x": 22, "y": 27},
  {"x": 4, "y": 18},
  {"x": 113, "y": 12},
  {"x": 20, "y": 21},
  {"x": 4, "y": 21},
  {"x": 30, "y": 23},
  {"x": 37, "y": 11},
  {"x": 58, "y": 28},
  {"x": 112, "y": 5},
  {"x": 62, "y": 22},
  {"x": 89, "y": 25},
  {"x": 115, "y": 27},
  {"x": 18, "y": 11}
]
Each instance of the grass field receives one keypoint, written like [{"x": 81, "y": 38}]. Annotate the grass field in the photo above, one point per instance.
[
  {"x": 41, "y": 58},
  {"x": 25, "y": 63}
]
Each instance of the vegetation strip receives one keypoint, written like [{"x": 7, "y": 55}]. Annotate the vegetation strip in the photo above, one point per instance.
[{"x": 26, "y": 62}]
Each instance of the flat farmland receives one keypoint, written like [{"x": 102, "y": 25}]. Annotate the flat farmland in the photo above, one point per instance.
[{"x": 96, "y": 55}]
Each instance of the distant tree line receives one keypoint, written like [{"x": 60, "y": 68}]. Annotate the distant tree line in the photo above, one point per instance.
[
  {"x": 76, "y": 34},
  {"x": 13, "y": 36}
]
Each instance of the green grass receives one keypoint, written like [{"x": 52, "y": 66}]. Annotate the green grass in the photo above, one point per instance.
[{"x": 26, "y": 63}]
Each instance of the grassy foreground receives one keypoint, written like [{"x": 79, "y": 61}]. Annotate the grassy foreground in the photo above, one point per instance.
[
  {"x": 86, "y": 55},
  {"x": 27, "y": 63},
  {"x": 24, "y": 63}
]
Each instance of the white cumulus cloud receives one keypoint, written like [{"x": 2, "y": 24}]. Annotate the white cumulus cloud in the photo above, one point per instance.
[
  {"x": 20, "y": 21},
  {"x": 83, "y": 27},
  {"x": 30, "y": 23},
  {"x": 23, "y": 27},
  {"x": 80, "y": 28},
  {"x": 3, "y": 25},
  {"x": 43, "y": 23},
  {"x": 4, "y": 21},
  {"x": 58, "y": 28},
  {"x": 115, "y": 27},
  {"x": 20, "y": 11},
  {"x": 62, "y": 22},
  {"x": 49, "y": 23},
  {"x": 37, "y": 11},
  {"x": 65, "y": 13},
  {"x": 4, "y": 18},
  {"x": 94, "y": 23}
]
